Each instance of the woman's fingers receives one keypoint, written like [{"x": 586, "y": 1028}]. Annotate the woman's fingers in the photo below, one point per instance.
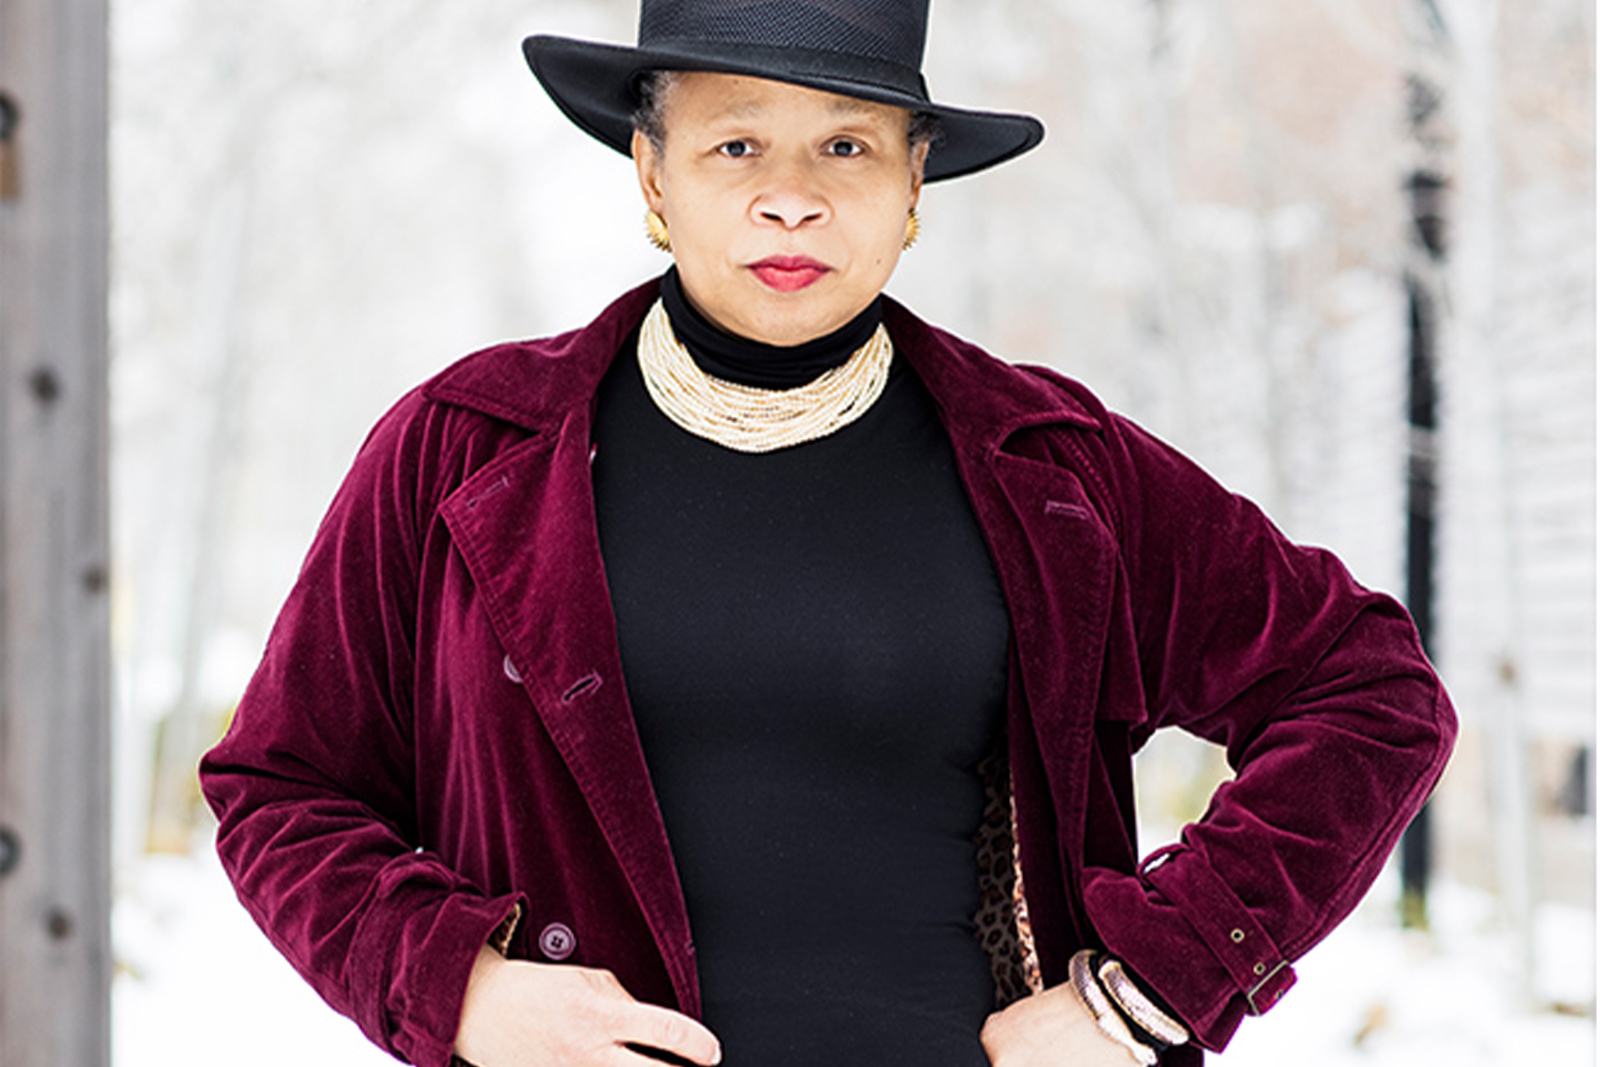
[
  {"x": 1047, "y": 1029},
  {"x": 649, "y": 1030},
  {"x": 654, "y": 1028},
  {"x": 655, "y": 1055},
  {"x": 523, "y": 1014}
]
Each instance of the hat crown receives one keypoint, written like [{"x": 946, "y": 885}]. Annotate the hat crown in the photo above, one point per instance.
[
  {"x": 887, "y": 31},
  {"x": 867, "y": 49}
]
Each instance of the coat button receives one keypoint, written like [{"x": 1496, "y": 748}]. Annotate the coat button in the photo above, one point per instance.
[
  {"x": 557, "y": 941},
  {"x": 511, "y": 670}
]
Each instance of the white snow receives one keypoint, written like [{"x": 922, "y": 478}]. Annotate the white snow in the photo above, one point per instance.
[{"x": 198, "y": 985}]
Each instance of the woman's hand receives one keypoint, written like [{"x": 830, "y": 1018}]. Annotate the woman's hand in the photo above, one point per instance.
[
  {"x": 1047, "y": 1030},
  {"x": 520, "y": 1014}
]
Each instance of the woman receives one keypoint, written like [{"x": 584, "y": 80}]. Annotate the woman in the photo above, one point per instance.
[{"x": 704, "y": 680}]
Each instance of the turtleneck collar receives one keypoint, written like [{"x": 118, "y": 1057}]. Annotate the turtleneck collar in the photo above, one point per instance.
[{"x": 739, "y": 359}]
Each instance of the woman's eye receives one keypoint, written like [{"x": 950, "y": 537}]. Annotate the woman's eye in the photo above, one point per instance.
[{"x": 736, "y": 149}]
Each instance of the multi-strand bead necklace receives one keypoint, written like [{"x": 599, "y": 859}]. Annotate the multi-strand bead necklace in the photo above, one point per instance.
[{"x": 745, "y": 418}]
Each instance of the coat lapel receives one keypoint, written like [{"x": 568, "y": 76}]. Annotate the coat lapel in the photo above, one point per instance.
[
  {"x": 525, "y": 527},
  {"x": 1057, "y": 562}
]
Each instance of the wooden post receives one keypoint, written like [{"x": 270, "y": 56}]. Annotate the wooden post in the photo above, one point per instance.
[{"x": 54, "y": 618}]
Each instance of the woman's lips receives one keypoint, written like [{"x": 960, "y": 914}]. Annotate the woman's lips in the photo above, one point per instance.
[{"x": 788, "y": 274}]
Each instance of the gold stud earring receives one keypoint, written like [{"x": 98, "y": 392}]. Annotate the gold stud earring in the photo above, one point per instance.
[
  {"x": 655, "y": 228},
  {"x": 913, "y": 229}
]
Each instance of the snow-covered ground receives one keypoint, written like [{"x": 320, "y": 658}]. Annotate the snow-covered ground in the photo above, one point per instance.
[{"x": 198, "y": 986}]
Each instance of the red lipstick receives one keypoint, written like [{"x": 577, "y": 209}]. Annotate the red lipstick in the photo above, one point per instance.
[{"x": 788, "y": 274}]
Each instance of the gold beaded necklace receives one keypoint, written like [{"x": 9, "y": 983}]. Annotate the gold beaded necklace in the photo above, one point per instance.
[{"x": 745, "y": 418}]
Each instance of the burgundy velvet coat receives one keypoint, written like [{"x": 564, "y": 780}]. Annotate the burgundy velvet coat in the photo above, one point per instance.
[{"x": 438, "y": 737}]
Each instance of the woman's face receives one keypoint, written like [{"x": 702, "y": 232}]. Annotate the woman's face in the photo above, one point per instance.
[{"x": 786, "y": 206}]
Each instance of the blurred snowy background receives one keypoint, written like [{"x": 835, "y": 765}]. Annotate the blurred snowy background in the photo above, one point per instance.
[{"x": 1247, "y": 218}]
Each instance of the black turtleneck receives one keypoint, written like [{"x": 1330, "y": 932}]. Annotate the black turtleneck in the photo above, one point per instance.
[
  {"x": 739, "y": 359},
  {"x": 814, "y": 642}
]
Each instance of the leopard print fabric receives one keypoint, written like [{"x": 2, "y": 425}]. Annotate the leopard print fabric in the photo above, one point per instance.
[{"x": 1002, "y": 919}]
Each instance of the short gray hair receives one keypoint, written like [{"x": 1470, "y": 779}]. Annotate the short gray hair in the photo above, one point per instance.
[
  {"x": 652, "y": 89},
  {"x": 654, "y": 86}
]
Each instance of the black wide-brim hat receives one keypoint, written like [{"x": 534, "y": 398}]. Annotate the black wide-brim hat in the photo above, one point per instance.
[{"x": 870, "y": 49}]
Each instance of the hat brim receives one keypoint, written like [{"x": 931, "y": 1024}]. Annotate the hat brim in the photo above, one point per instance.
[{"x": 593, "y": 85}]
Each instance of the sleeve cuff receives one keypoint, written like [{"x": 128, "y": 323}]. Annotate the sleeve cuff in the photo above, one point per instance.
[
  {"x": 417, "y": 970},
  {"x": 1190, "y": 938}
]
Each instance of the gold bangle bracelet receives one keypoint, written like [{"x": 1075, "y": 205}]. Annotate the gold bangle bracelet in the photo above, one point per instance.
[
  {"x": 1138, "y": 1007},
  {"x": 1084, "y": 983}
]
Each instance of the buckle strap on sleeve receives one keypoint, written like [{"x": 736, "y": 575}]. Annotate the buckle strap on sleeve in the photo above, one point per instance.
[{"x": 1227, "y": 927}]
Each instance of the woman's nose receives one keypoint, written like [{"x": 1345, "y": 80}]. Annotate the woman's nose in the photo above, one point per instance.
[
  {"x": 791, "y": 214},
  {"x": 792, "y": 202}
]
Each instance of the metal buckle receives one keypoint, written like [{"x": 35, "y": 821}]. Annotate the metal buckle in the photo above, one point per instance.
[{"x": 1250, "y": 997}]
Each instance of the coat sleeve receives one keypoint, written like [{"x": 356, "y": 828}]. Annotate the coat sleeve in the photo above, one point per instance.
[
  {"x": 312, "y": 786},
  {"x": 1334, "y": 723}
]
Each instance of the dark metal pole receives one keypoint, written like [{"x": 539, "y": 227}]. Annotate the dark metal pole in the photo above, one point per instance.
[
  {"x": 1416, "y": 846},
  {"x": 1427, "y": 188}
]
